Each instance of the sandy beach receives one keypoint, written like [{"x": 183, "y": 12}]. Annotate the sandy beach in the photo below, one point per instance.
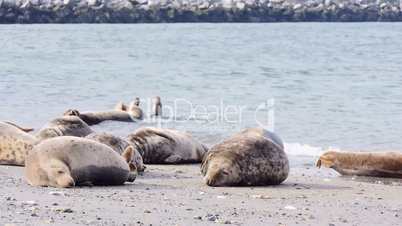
[{"x": 176, "y": 195}]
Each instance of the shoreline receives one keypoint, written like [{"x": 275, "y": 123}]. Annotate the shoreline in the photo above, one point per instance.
[
  {"x": 176, "y": 195},
  {"x": 177, "y": 11}
]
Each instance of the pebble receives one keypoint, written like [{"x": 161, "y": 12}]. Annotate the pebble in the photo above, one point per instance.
[
  {"x": 30, "y": 203},
  {"x": 56, "y": 193}
]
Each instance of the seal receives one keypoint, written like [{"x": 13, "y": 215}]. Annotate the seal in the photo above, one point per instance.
[
  {"x": 15, "y": 144},
  {"x": 134, "y": 109},
  {"x": 157, "y": 106},
  {"x": 166, "y": 146},
  {"x": 64, "y": 126},
  {"x": 248, "y": 158},
  {"x": 73, "y": 161},
  {"x": 372, "y": 164},
  {"x": 119, "y": 145},
  {"x": 93, "y": 118}
]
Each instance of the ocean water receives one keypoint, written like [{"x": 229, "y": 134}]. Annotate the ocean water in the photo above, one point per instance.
[{"x": 318, "y": 85}]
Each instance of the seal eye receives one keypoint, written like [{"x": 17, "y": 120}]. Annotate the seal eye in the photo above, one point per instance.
[
  {"x": 60, "y": 172},
  {"x": 224, "y": 172}
]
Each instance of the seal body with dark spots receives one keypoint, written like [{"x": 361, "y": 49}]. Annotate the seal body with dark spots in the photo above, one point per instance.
[
  {"x": 375, "y": 164},
  {"x": 253, "y": 157},
  {"x": 166, "y": 146},
  {"x": 68, "y": 161},
  {"x": 15, "y": 144},
  {"x": 65, "y": 126},
  {"x": 119, "y": 145}
]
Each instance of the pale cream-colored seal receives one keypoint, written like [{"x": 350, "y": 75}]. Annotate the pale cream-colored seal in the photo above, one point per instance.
[
  {"x": 251, "y": 158},
  {"x": 73, "y": 161},
  {"x": 375, "y": 164}
]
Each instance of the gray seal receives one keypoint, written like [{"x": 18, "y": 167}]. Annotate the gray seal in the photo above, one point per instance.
[
  {"x": 64, "y": 126},
  {"x": 252, "y": 157},
  {"x": 166, "y": 146}
]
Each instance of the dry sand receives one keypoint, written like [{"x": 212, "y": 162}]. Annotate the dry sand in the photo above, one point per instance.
[{"x": 176, "y": 195}]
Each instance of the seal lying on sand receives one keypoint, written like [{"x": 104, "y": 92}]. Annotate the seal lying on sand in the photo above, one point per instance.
[
  {"x": 246, "y": 159},
  {"x": 65, "y": 126},
  {"x": 375, "y": 164},
  {"x": 119, "y": 145},
  {"x": 165, "y": 146},
  {"x": 14, "y": 144},
  {"x": 69, "y": 161}
]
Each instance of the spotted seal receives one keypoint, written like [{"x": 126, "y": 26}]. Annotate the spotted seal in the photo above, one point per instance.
[
  {"x": 73, "y": 161},
  {"x": 253, "y": 157},
  {"x": 14, "y": 144}
]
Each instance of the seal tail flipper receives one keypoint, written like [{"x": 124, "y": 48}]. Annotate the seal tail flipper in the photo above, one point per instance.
[{"x": 27, "y": 130}]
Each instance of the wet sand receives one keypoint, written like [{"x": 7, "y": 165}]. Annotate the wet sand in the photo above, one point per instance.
[{"x": 176, "y": 195}]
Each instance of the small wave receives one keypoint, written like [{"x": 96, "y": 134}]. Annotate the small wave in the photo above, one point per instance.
[{"x": 298, "y": 149}]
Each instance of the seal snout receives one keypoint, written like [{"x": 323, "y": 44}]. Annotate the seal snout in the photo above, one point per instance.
[{"x": 327, "y": 160}]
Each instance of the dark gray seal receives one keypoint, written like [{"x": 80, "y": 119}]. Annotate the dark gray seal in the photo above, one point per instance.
[
  {"x": 253, "y": 157},
  {"x": 166, "y": 146}
]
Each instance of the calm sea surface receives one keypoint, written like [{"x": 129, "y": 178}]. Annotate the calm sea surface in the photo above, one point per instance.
[{"x": 331, "y": 84}]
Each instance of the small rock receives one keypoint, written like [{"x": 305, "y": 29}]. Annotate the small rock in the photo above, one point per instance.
[
  {"x": 30, "y": 203},
  {"x": 147, "y": 211},
  {"x": 197, "y": 217},
  {"x": 260, "y": 197},
  {"x": 67, "y": 210},
  {"x": 221, "y": 197},
  {"x": 290, "y": 208},
  {"x": 56, "y": 193}
]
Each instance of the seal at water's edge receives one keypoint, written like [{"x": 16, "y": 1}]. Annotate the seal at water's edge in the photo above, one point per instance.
[
  {"x": 374, "y": 164},
  {"x": 93, "y": 118},
  {"x": 72, "y": 161},
  {"x": 166, "y": 146},
  {"x": 15, "y": 144},
  {"x": 64, "y": 126},
  {"x": 156, "y": 106},
  {"x": 134, "y": 109},
  {"x": 119, "y": 145},
  {"x": 248, "y": 158}
]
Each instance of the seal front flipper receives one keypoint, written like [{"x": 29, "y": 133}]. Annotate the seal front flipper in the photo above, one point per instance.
[{"x": 173, "y": 159}]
